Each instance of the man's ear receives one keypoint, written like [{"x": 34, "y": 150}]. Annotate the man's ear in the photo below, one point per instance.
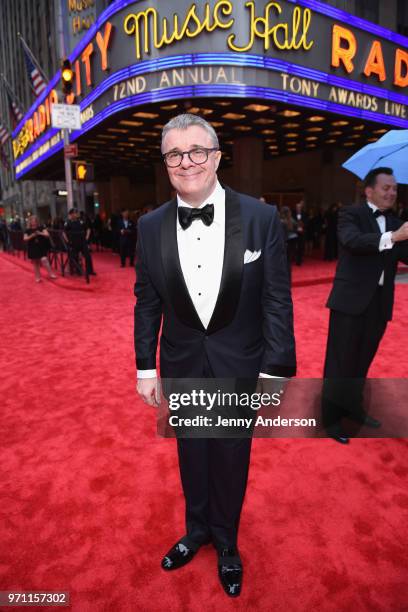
[{"x": 218, "y": 159}]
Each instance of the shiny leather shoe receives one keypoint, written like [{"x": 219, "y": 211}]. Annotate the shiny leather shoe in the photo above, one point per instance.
[
  {"x": 336, "y": 433},
  {"x": 180, "y": 554},
  {"x": 230, "y": 571}
]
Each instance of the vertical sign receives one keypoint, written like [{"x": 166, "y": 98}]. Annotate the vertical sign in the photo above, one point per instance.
[{"x": 78, "y": 16}]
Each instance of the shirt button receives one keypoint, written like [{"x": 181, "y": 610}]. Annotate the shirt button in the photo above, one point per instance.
[
  {"x": 199, "y": 294},
  {"x": 198, "y": 238},
  {"x": 198, "y": 266}
]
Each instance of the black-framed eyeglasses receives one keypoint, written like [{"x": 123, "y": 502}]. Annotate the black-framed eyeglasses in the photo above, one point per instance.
[{"x": 198, "y": 155}]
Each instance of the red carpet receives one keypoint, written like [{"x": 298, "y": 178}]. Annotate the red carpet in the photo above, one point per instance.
[{"x": 91, "y": 498}]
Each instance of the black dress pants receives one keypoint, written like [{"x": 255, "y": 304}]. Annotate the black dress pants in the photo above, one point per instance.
[
  {"x": 126, "y": 249},
  {"x": 352, "y": 343},
  {"x": 300, "y": 249},
  {"x": 214, "y": 475},
  {"x": 82, "y": 247}
]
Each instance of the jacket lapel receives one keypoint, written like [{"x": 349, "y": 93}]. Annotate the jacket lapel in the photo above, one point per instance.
[
  {"x": 176, "y": 286},
  {"x": 231, "y": 279},
  {"x": 371, "y": 219}
]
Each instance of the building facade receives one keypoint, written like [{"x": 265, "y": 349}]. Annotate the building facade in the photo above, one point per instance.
[
  {"x": 46, "y": 26},
  {"x": 293, "y": 89}
]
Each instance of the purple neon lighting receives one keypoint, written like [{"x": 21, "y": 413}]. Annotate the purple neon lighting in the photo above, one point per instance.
[
  {"x": 108, "y": 12},
  {"x": 218, "y": 90},
  {"x": 319, "y": 7},
  {"x": 232, "y": 59},
  {"x": 357, "y": 22},
  {"x": 44, "y": 138},
  {"x": 115, "y": 7},
  {"x": 136, "y": 100},
  {"x": 295, "y": 99},
  {"x": 52, "y": 151},
  {"x": 258, "y": 61},
  {"x": 51, "y": 85},
  {"x": 140, "y": 68}
]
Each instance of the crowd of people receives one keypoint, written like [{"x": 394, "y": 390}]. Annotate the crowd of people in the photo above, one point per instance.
[
  {"x": 307, "y": 230},
  {"x": 76, "y": 234}
]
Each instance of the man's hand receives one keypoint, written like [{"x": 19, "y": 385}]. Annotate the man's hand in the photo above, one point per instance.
[
  {"x": 149, "y": 390},
  {"x": 401, "y": 233},
  {"x": 271, "y": 385}
]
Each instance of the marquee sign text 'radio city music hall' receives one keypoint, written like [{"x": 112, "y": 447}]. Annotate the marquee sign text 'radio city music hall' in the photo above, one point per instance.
[{"x": 306, "y": 53}]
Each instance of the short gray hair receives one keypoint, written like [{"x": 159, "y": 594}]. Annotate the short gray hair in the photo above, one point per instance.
[{"x": 186, "y": 120}]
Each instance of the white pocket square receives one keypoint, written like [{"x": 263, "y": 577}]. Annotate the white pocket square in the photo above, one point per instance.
[{"x": 250, "y": 256}]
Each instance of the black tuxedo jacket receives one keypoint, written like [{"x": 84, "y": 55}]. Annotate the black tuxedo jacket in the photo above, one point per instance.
[
  {"x": 303, "y": 220},
  {"x": 361, "y": 263},
  {"x": 130, "y": 228},
  {"x": 251, "y": 329}
]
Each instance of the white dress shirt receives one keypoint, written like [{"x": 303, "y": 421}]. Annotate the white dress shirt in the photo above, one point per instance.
[
  {"x": 201, "y": 253},
  {"x": 385, "y": 240}
]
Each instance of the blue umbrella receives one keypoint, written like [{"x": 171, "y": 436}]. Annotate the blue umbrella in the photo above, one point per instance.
[{"x": 391, "y": 151}]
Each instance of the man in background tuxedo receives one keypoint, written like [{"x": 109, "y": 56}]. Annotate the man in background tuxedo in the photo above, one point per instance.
[
  {"x": 211, "y": 265},
  {"x": 300, "y": 218},
  {"x": 372, "y": 240},
  {"x": 127, "y": 238}
]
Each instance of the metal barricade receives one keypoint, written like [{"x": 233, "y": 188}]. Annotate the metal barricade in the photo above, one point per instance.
[
  {"x": 15, "y": 243},
  {"x": 62, "y": 254}
]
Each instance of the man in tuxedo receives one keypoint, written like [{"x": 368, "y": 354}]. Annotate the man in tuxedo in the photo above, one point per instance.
[
  {"x": 372, "y": 242},
  {"x": 127, "y": 238},
  {"x": 222, "y": 318},
  {"x": 300, "y": 218}
]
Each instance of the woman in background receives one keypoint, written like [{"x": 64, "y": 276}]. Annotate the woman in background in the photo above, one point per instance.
[{"x": 38, "y": 245}]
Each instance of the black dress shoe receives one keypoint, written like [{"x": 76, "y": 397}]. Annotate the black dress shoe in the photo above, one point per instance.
[
  {"x": 230, "y": 571},
  {"x": 180, "y": 554},
  {"x": 341, "y": 438},
  {"x": 336, "y": 433}
]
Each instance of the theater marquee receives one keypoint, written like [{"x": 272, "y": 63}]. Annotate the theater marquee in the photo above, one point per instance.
[{"x": 305, "y": 53}]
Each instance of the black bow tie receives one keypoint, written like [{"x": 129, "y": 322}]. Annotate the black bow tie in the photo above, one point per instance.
[
  {"x": 188, "y": 215},
  {"x": 378, "y": 213}
]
